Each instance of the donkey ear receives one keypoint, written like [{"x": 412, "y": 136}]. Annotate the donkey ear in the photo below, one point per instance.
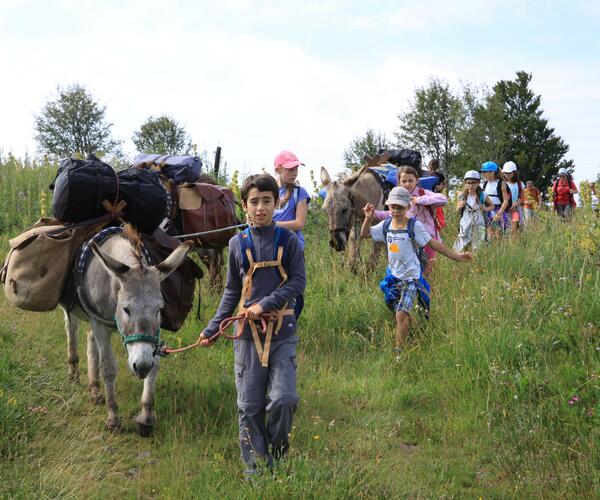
[
  {"x": 174, "y": 260},
  {"x": 325, "y": 177},
  {"x": 112, "y": 265}
]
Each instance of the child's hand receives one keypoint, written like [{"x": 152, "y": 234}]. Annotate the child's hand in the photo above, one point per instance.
[
  {"x": 205, "y": 341},
  {"x": 254, "y": 311},
  {"x": 369, "y": 211},
  {"x": 465, "y": 257},
  {"x": 461, "y": 203},
  {"x": 415, "y": 200}
]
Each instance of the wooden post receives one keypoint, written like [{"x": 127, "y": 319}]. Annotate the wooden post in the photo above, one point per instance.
[{"x": 217, "y": 162}]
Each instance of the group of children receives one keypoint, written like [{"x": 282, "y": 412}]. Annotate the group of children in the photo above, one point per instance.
[{"x": 266, "y": 278}]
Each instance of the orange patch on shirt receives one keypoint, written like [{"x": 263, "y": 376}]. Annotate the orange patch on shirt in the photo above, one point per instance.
[{"x": 394, "y": 248}]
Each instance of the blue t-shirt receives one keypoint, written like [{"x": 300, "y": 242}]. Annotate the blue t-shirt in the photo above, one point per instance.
[{"x": 288, "y": 211}]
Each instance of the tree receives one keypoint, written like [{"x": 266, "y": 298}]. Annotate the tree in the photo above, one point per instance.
[
  {"x": 162, "y": 135},
  {"x": 361, "y": 147},
  {"x": 74, "y": 125},
  {"x": 432, "y": 123},
  {"x": 529, "y": 141},
  {"x": 482, "y": 138}
]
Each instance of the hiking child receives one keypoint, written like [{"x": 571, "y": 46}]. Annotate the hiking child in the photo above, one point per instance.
[
  {"x": 472, "y": 205},
  {"x": 532, "y": 201},
  {"x": 516, "y": 187},
  {"x": 265, "y": 273},
  {"x": 404, "y": 268},
  {"x": 292, "y": 208},
  {"x": 497, "y": 190},
  {"x": 563, "y": 191},
  {"x": 422, "y": 207}
]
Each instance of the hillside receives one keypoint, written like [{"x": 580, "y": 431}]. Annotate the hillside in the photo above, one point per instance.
[{"x": 498, "y": 396}]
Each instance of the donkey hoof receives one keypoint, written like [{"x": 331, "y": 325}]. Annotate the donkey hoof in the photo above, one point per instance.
[
  {"x": 145, "y": 430},
  {"x": 74, "y": 376},
  {"x": 97, "y": 398},
  {"x": 113, "y": 424}
]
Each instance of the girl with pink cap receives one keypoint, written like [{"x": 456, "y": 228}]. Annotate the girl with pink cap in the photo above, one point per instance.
[{"x": 292, "y": 208}]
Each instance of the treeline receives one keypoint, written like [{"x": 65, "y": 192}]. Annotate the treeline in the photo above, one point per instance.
[{"x": 467, "y": 126}]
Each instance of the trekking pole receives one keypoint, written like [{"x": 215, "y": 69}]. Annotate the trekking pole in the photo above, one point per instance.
[{"x": 228, "y": 228}]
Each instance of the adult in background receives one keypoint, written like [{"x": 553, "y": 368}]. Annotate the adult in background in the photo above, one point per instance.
[
  {"x": 292, "y": 208},
  {"x": 433, "y": 168},
  {"x": 564, "y": 190},
  {"x": 532, "y": 201}
]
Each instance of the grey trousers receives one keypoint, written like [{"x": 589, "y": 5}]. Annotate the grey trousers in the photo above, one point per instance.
[{"x": 266, "y": 399}]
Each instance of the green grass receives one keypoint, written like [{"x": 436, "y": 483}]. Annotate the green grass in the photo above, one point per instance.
[{"x": 478, "y": 406}]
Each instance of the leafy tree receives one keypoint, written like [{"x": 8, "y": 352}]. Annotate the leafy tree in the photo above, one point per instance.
[
  {"x": 529, "y": 141},
  {"x": 162, "y": 135},
  {"x": 432, "y": 123},
  {"x": 482, "y": 137},
  {"x": 74, "y": 125},
  {"x": 361, "y": 147}
]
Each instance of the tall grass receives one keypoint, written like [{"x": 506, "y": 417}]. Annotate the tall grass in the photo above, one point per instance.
[{"x": 497, "y": 395}]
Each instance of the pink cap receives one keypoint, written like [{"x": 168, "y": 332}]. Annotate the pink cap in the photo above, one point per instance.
[{"x": 287, "y": 159}]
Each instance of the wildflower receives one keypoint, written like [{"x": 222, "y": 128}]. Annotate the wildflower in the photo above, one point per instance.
[
  {"x": 12, "y": 401},
  {"x": 316, "y": 438},
  {"x": 575, "y": 399}
]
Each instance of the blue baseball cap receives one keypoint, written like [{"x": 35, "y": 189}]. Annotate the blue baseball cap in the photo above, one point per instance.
[{"x": 489, "y": 166}]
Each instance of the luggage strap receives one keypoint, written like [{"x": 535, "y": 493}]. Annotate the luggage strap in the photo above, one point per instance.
[{"x": 274, "y": 323}]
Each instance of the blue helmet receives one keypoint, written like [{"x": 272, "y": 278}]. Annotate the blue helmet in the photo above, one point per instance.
[{"x": 489, "y": 166}]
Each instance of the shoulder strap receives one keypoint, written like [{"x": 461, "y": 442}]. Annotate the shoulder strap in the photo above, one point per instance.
[
  {"x": 282, "y": 236},
  {"x": 245, "y": 238},
  {"x": 386, "y": 227},
  {"x": 485, "y": 183},
  {"x": 481, "y": 198}
]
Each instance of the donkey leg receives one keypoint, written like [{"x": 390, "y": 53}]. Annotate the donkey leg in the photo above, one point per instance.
[
  {"x": 146, "y": 417},
  {"x": 353, "y": 249},
  {"x": 94, "y": 370},
  {"x": 72, "y": 329},
  {"x": 108, "y": 367}
]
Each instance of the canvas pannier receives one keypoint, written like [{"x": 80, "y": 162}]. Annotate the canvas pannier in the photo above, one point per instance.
[
  {"x": 205, "y": 207},
  {"x": 178, "y": 288},
  {"x": 39, "y": 260},
  {"x": 177, "y": 168}
]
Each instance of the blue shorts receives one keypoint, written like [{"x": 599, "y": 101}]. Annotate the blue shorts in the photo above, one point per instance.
[{"x": 406, "y": 294}]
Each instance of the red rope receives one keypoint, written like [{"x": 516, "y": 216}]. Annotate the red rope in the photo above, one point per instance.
[{"x": 223, "y": 326}]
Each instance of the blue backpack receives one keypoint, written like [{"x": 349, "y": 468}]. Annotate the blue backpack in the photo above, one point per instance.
[
  {"x": 282, "y": 236},
  {"x": 389, "y": 283}
]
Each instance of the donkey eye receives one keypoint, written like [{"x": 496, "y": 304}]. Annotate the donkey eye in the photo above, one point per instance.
[{"x": 126, "y": 311}]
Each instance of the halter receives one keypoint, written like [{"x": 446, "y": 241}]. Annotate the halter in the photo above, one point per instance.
[{"x": 141, "y": 337}]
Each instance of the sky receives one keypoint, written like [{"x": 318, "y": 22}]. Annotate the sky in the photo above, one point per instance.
[{"x": 257, "y": 77}]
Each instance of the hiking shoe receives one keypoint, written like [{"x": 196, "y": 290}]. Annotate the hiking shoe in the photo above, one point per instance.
[{"x": 398, "y": 351}]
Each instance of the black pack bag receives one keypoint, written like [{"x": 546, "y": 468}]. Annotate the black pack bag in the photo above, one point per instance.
[
  {"x": 408, "y": 157},
  {"x": 145, "y": 196},
  {"x": 80, "y": 187}
]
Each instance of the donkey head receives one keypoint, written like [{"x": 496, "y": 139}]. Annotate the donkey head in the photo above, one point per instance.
[
  {"x": 138, "y": 303},
  {"x": 338, "y": 205}
]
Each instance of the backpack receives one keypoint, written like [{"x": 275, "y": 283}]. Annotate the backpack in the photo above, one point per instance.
[
  {"x": 282, "y": 236},
  {"x": 177, "y": 168},
  {"x": 388, "y": 283},
  {"x": 482, "y": 196},
  {"x": 439, "y": 224},
  {"x": 79, "y": 188},
  {"x": 408, "y": 157},
  {"x": 147, "y": 199},
  {"x": 40, "y": 259},
  {"x": 500, "y": 193},
  {"x": 205, "y": 207}
]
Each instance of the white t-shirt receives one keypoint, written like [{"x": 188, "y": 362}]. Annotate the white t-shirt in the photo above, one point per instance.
[
  {"x": 491, "y": 190},
  {"x": 402, "y": 259},
  {"x": 595, "y": 201}
]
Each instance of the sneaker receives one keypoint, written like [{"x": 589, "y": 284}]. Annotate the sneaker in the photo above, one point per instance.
[{"x": 398, "y": 351}]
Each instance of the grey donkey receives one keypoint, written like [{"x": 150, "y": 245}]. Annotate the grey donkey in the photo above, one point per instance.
[{"x": 123, "y": 289}]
